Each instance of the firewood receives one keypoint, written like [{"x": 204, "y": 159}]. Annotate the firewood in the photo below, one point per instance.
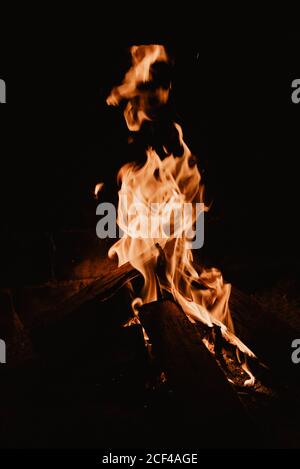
[
  {"x": 202, "y": 391},
  {"x": 261, "y": 330},
  {"x": 112, "y": 279},
  {"x": 269, "y": 337}
]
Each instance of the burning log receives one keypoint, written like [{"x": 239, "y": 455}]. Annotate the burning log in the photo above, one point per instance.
[
  {"x": 267, "y": 336},
  {"x": 199, "y": 385}
]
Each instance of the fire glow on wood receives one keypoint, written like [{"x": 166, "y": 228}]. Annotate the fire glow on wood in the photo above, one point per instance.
[{"x": 170, "y": 181}]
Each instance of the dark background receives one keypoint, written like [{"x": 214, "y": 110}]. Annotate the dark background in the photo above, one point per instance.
[
  {"x": 233, "y": 98},
  {"x": 80, "y": 380}
]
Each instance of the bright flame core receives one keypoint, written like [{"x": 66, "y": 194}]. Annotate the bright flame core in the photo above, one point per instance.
[{"x": 169, "y": 183}]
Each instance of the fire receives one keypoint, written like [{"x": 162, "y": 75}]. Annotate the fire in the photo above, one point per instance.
[
  {"x": 156, "y": 195},
  {"x": 98, "y": 188},
  {"x": 139, "y": 106}
]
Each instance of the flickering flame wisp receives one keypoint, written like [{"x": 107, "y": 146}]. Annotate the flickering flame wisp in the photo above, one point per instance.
[{"x": 98, "y": 188}]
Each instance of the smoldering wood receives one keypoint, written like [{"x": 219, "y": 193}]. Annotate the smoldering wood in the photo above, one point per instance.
[
  {"x": 112, "y": 279},
  {"x": 261, "y": 330},
  {"x": 202, "y": 390}
]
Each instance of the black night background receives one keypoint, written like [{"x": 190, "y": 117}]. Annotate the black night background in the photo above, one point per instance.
[{"x": 80, "y": 382}]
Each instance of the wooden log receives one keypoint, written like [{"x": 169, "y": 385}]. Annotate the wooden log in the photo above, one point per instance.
[
  {"x": 212, "y": 412},
  {"x": 265, "y": 334},
  {"x": 268, "y": 336},
  {"x": 112, "y": 279}
]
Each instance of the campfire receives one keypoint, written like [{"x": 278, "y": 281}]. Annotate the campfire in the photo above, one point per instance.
[{"x": 161, "y": 204}]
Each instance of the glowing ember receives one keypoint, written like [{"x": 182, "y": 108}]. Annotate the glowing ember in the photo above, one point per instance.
[{"x": 152, "y": 196}]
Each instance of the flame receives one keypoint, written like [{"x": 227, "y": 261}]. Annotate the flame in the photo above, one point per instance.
[
  {"x": 98, "y": 188},
  {"x": 155, "y": 195},
  {"x": 251, "y": 380},
  {"x": 140, "y": 101}
]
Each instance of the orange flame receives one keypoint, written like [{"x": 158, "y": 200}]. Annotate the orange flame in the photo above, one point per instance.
[
  {"x": 166, "y": 185},
  {"x": 139, "y": 100},
  {"x": 97, "y": 189}
]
